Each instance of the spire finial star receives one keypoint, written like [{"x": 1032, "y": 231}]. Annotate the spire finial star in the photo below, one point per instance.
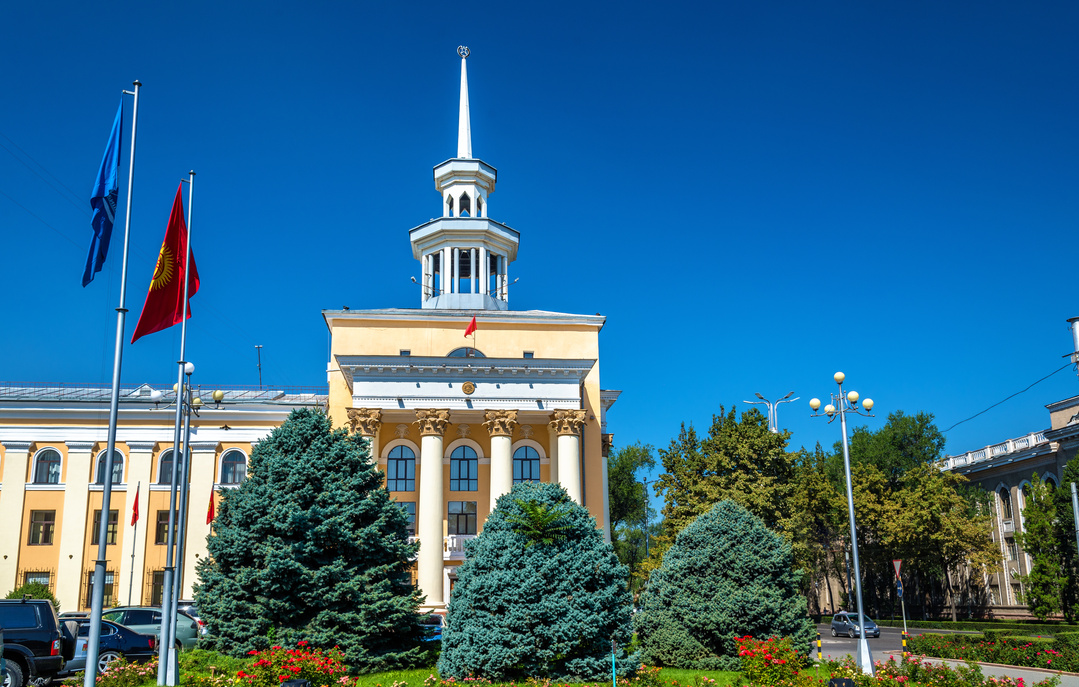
[
  {"x": 463, "y": 51},
  {"x": 464, "y": 131}
]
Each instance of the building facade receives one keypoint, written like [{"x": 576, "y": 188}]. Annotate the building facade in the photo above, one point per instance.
[
  {"x": 1005, "y": 470},
  {"x": 456, "y": 420},
  {"x": 52, "y": 456}
]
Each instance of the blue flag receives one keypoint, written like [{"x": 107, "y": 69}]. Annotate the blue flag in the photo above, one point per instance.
[{"x": 103, "y": 201}]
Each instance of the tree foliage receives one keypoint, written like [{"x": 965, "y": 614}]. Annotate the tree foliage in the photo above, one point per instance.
[
  {"x": 1065, "y": 533},
  {"x": 532, "y": 606},
  {"x": 630, "y": 515},
  {"x": 34, "y": 590},
  {"x": 310, "y": 547},
  {"x": 1043, "y": 586},
  {"x": 726, "y": 575}
]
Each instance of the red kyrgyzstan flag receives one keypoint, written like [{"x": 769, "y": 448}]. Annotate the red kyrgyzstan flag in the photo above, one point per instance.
[
  {"x": 164, "y": 305},
  {"x": 471, "y": 328},
  {"x": 210, "y": 510},
  {"x": 135, "y": 508}
]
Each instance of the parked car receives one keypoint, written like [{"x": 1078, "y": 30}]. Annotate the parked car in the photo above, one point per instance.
[
  {"x": 432, "y": 625},
  {"x": 117, "y": 641},
  {"x": 190, "y": 608},
  {"x": 34, "y": 646},
  {"x": 850, "y": 624},
  {"x": 147, "y": 620}
]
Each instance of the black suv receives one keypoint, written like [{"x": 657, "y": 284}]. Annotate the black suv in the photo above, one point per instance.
[{"x": 32, "y": 640}]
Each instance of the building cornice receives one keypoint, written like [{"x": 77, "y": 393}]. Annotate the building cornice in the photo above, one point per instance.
[
  {"x": 511, "y": 317},
  {"x": 426, "y": 368}
]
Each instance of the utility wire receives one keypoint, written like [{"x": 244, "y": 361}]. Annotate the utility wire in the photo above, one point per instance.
[{"x": 1066, "y": 365}]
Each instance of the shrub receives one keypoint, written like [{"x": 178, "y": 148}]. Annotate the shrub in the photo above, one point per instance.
[
  {"x": 916, "y": 671},
  {"x": 270, "y": 668},
  {"x": 35, "y": 590},
  {"x": 771, "y": 662},
  {"x": 310, "y": 547},
  {"x": 726, "y": 576},
  {"x": 540, "y": 595},
  {"x": 122, "y": 673}
]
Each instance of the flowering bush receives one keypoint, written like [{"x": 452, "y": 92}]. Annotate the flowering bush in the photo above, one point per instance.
[
  {"x": 768, "y": 662},
  {"x": 277, "y": 664},
  {"x": 1033, "y": 652},
  {"x": 122, "y": 673},
  {"x": 914, "y": 670}
]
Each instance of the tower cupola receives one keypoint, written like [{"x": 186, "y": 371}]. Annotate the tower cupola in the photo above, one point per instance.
[{"x": 465, "y": 255}]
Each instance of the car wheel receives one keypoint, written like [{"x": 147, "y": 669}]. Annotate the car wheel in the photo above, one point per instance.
[
  {"x": 834, "y": 633},
  {"x": 850, "y": 634},
  {"x": 13, "y": 676},
  {"x": 105, "y": 659}
]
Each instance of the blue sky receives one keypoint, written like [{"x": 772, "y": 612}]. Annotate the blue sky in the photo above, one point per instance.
[{"x": 755, "y": 194}]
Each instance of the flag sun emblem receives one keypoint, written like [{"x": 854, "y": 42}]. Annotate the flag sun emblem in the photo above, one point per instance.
[{"x": 164, "y": 269}]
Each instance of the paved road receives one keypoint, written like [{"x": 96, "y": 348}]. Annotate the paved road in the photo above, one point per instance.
[{"x": 890, "y": 643}]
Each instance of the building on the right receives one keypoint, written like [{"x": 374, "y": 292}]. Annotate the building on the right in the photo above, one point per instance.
[{"x": 1005, "y": 470}]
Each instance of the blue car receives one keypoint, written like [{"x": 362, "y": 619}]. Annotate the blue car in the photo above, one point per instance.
[{"x": 432, "y": 627}]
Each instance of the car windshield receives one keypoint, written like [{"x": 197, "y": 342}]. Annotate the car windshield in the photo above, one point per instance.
[{"x": 857, "y": 619}]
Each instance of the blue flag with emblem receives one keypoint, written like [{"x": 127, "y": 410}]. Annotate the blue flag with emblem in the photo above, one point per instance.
[{"x": 103, "y": 201}]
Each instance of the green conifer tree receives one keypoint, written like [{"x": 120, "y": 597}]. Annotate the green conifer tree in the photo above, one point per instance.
[
  {"x": 1043, "y": 587},
  {"x": 310, "y": 547},
  {"x": 541, "y": 594},
  {"x": 725, "y": 576}
]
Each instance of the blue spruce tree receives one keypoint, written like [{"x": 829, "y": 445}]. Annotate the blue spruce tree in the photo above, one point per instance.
[
  {"x": 310, "y": 547},
  {"x": 726, "y": 576},
  {"x": 541, "y": 594}
]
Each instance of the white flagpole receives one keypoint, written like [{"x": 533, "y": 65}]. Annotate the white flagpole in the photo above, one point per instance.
[
  {"x": 98, "y": 592},
  {"x": 185, "y": 489},
  {"x": 166, "y": 666},
  {"x": 134, "y": 538}
]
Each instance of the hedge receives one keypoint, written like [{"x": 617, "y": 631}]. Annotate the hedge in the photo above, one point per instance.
[{"x": 1027, "y": 651}]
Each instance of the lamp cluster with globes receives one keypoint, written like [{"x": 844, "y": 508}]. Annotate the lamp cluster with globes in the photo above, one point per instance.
[{"x": 840, "y": 405}]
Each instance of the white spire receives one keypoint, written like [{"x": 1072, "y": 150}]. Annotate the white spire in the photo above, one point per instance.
[{"x": 464, "y": 130}]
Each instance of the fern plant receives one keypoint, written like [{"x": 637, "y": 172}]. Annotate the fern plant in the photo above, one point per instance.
[{"x": 539, "y": 522}]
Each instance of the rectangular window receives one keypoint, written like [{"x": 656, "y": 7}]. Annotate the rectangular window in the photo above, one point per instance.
[
  {"x": 1013, "y": 551},
  {"x": 110, "y": 578},
  {"x": 401, "y": 472},
  {"x": 161, "y": 535},
  {"x": 406, "y": 352},
  {"x": 110, "y": 533},
  {"x": 464, "y": 472},
  {"x": 39, "y": 576},
  {"x": 157, "y": 587},
  {"x": 529, "y": 354},
  {"x": 410, "y": 510},
  {"x": 462, "y": 517},
  {"x": 42, "y": 525}
]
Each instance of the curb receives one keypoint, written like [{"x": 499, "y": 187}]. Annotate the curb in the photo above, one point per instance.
[{"x": 1003, "y": 665}]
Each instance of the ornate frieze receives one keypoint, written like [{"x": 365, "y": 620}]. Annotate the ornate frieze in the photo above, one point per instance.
[
  {"x": 567, "y": 422},
  {"x": 432, "y": 422},
  {"x": 401, "y": 431},
  {"x": 463, "y": 431},
  {"x": 500, "y": 423},
  {"x": 366, "y": 421},
  {"x": 527, "y": 431}
]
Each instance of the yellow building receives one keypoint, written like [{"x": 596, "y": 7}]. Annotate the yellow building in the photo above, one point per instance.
[
  {"x": 52, "y": 451},
  {"x": 455, "y": 421}
]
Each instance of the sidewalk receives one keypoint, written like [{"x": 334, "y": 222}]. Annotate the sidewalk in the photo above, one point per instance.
[{"x": 1029, "y": 675}]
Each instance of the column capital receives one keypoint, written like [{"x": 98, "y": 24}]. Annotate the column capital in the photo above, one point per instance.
[
  {"x": 366, "y": 421},
  {"x": 141, "y": 446},
  {"x": 18, "y": 445},
  {"x": 567, "y": 422},
  {"x": 203, "y": 446},
  {"x": 432, "y": 421},
  {"x": 79, "y": 445},
  {"x": 500, "y": 423}
]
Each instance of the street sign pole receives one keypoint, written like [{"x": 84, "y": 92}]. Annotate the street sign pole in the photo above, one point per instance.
[{"x": 899, "y": 591}]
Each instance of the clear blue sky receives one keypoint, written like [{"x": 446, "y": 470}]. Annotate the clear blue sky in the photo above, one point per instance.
[{"x": 755, "y": 194}]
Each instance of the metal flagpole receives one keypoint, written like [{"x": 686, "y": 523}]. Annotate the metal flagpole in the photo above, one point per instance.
[
  {"x": 134, "y": 538},
  {"x": 185, "y": 489},
  {"x": 166, "y": 666},
  {"x": 98, "y": 592}
]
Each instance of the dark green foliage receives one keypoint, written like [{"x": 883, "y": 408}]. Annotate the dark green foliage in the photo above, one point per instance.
[
  {"x": 35, "y": 590},
  {"x": 525, "y": 608},
  {"x": 1044, "y": 585},
  {"x": 310, "y": 547},
  {"x": 630, "y": 514},
  {"x": 903, "y": 443},
  {"x": 540, "y": 523},
  {"x": 1062, "y": 498},
  {"x": 726, "y": 576}
]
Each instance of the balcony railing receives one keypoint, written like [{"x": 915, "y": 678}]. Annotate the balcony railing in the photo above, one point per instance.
[
  {"x": 995, "y": 450},
  {"x": 1009, "y": 526},
  {"x": 453, "y": 546}
]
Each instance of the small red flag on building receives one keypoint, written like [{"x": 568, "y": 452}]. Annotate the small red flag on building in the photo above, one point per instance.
[
  {"x": 135, "y": 508},
  {"x": 210, "y": 510},
  {"x": 471, "y": 328},
  {"x": 164, "y": 305}
]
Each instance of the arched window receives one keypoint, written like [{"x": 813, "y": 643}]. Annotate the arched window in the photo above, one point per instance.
[
  {"x": 47, "y": 467},
  {"x": 464, "y": 469},
  {"x": 1050, "y": 483},
  {"x": 401, "y": 469},
  {"x": 479, "y": 206},
  {"x": 233, "y": 467},
  {"x": 449, "y": 206},
  {"x": 466, "y": 206},
  {"x": 1005, "y": 503},
  {"x": 117, "y": 468},
  {"x": 465, "y": 353},
  {"x": 526, "y": 465},
  {"x": 164, "y": 468}
]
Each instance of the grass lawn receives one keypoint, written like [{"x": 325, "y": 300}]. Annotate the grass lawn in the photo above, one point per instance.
[{"x": 685, "y": 678}]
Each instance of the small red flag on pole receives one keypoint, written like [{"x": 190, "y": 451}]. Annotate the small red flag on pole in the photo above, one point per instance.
[
  {"x": 164, "y": 306},
  {"x": 471, "y": 329},
  {"x": 210, "y": 510},
  {"x": 135, "y": 507}
]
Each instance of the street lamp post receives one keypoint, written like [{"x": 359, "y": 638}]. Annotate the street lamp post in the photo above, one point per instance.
[
  {"x": 841, "y": 405},
  {"x": 646, "y": 537},
  {"x": 773, "y": 417}
]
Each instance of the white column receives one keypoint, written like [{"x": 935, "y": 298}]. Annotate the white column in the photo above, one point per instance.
[
  {"x": 506, "y": 279},
  {"x": 140, "y": 458},
  {"x": 552, "y": 456},
  {"x": 501, "y": 423},
  {"x": 498, "y": 276},
  {"x": 472, "y": 270},
  {"x": 483, "y": 270},
  {"x": 204, "y": 457},
  {"x": 444, "y": 276},
  {"x": 457, "y": 270},
  {"x": 16, "y": 467},
  {"x": 73, "y": 523},
  {"x": 429, "y": 514},
  {"x": 567, "y": 423},
  {"x": 423, "y": 282}
]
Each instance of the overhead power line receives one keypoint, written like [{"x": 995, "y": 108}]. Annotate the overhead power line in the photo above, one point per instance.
[{"x": 1065, "y": 366}]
